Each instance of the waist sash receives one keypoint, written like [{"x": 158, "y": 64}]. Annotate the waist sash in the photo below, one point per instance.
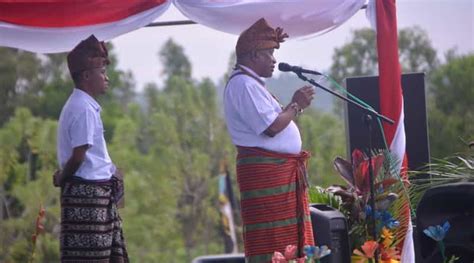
[{"x": 274, "y": 202}]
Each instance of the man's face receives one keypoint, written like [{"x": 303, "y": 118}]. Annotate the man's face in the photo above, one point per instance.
[
  {"x": 264, "y": 62},
  {"x": 97, "y": 80}
]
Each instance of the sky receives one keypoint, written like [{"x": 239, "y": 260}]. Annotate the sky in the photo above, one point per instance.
[{"x": 449, "y": 24}]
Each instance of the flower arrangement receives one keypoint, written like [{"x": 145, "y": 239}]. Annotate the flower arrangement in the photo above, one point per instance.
[
  {"x": 313, "y": 254},
  {"x": 390, "y": 200}
]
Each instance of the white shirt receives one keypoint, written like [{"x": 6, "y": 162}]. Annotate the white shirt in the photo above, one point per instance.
[
  {"x": 250, "y": 109},
  {"x": 80, "y": 124}
]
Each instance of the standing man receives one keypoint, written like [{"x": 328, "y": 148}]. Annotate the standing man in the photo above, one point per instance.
[
  {"x": 271, "y": 168},
  {"x": 91, "y": 229}
]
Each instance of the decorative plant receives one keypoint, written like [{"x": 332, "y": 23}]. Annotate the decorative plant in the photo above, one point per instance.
[
  {"x": 390, "y": 195},
  {"x": 453, "y": 169},
  {"x": 313, "y": 254}
]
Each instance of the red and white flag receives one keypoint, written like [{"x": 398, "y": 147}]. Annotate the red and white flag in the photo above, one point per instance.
[
  {"x": 391, "y": 104},
  {"x": 58, "y": 25}
]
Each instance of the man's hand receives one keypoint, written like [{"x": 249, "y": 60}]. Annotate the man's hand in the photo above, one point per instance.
[
  {"x": 58, "y": 178},
  {"x": 303, "y": 96}
]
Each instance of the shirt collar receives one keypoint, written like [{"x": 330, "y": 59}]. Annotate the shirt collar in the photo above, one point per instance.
[
  {"x": 251, "y": 72},
  {"x": 82, "y": 94}
]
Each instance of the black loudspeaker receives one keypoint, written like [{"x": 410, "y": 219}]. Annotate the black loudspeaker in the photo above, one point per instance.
[
  {"x": 225, "y": 258},
  {"x": 452, "y": 203},
  {"x": 416, "y": 131},
  {"x": 330, "y": 229}
]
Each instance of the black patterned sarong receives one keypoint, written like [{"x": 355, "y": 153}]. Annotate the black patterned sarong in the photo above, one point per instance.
[{"x": 91, "y": 228}]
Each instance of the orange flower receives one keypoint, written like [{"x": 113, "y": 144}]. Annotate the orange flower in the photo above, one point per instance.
[
  {"x": 387, "y": 237},
  {"x": 368, "y": 250},
  {"x": 389, "y": 253}
]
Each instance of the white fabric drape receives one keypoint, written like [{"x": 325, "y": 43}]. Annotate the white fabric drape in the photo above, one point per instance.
[{"x": 297, "y": 17}]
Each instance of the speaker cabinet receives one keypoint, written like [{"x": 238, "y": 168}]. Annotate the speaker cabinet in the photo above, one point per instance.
[
  {"x": 452, "y": 203},
  {"x": 330, "y": 229},
  {"x": 416, "y": 127}
]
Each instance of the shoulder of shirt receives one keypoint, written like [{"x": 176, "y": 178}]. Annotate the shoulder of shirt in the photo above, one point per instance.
[
  {"x": 243, "y": 79},
  {"x": 78, "y": 106}
]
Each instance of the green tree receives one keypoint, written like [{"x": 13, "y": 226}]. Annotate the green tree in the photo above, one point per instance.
[
  {"x": 451, "y": 115},
  {"x": 175, "y": 61},
  {"x": 170, "y": 147},
  {"x": 21, "y": 194},
  {"x": 323, "y": 136},
  {"x": 18, "y": 80},
  {"x": 359, "y": 56}
]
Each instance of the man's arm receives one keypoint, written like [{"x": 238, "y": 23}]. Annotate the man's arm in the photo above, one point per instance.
[
  {"x": 72, "y": 165},
  {"x": 301, "y": 99},
  {"x": 283, "y": 119}
]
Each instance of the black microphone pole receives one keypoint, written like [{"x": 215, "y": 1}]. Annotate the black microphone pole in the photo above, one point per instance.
[
  {"x": 350, "y": 101},
  {"x": 368, "y": 122}
]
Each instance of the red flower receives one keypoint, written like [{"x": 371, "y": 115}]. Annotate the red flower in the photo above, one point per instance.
[
  {"x": 289, "y": 255},
  {"x": 290, "y": 251}
]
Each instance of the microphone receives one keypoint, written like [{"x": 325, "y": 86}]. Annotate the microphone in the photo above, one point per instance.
[{"x": 285, "y": 67}]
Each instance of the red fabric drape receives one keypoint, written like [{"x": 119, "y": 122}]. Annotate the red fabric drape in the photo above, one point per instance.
[{"x": 63, "y": 13}]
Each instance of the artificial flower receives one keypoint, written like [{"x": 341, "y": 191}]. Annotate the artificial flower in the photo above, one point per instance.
[
  {"x": 368, "y": 249},
  {"x": 278, "y": 258},
  {"x": 316, "y": 252},
  {"x": 387, "y": 237},
  {"x": 385, "y": 219},
  {"x": 289, "y": 256},
  {"x": 290, "y": 251},
  {"x": 437, "y": 232},
  {"x": 389, "y": 253}
]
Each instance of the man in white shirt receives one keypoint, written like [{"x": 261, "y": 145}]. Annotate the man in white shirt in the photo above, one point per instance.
[
  {"x": 271, "y": 167},
  {"x": 91, "y": 229}
]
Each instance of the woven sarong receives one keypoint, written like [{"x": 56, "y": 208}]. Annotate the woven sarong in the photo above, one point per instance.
[
  {"x": 91, "y": 228},
  {"x": 274, "y": 202}
]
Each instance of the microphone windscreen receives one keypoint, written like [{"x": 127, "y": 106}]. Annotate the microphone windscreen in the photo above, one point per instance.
[{"x": 284, "y": 67}]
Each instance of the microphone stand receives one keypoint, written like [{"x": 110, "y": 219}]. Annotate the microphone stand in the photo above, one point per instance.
[{"x": 368, "y": 117}]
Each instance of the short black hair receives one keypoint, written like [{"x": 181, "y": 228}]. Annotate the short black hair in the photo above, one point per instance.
[{"x": 77, "y": 77}]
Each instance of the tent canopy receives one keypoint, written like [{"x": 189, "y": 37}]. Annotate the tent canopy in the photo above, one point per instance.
[{"x": 58, "y": 25}]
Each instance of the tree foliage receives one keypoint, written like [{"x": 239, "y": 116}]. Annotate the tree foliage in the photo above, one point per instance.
[
  {"x": 170, "y": 141},
  {"x": 170, "y": 149},
  {"x": 359, "y": 56},
  {"x": 451, "y": 114},
  {"x": 450, "y": 86}
]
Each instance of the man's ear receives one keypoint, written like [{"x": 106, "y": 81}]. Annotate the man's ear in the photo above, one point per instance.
[
  {"x": 254, "y": 55},
  {"x": 85, "y": 75}
]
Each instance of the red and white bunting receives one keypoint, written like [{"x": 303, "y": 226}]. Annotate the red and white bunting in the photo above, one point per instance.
[{"x": 58, "y": 25}]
